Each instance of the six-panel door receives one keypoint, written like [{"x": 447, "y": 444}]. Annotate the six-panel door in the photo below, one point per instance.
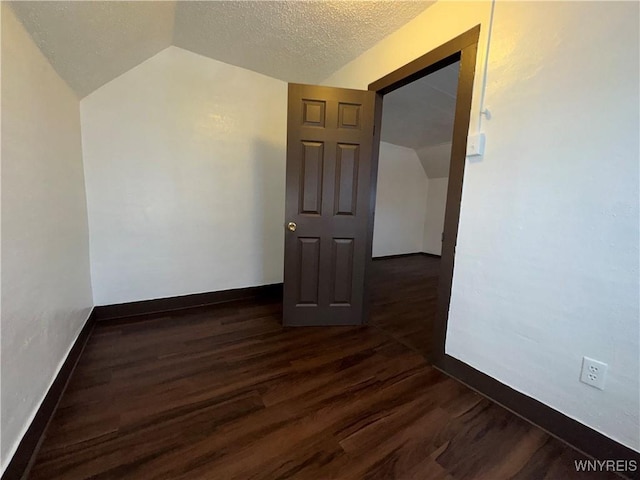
[{"x": 328, "y": 204}]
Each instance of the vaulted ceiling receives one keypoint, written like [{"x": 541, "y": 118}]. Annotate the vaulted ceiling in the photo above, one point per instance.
[
  {"x": 90, "y": 43},
  {"x": 420, "y": 116}
]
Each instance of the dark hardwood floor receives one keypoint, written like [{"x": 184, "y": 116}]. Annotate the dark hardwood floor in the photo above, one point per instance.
[
  {"x": 404, "y": 292},
  {"x": 226, "y": 393}
]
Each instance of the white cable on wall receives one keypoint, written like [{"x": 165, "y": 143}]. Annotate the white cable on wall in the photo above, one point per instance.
[{"x": 482, "y": 110}]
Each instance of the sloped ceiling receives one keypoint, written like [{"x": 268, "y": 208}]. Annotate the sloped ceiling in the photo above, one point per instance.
[
  {"x": 90, "y": 43},
  {"x": 420, "y": 116},
  {"x": 295, "y": 41}
]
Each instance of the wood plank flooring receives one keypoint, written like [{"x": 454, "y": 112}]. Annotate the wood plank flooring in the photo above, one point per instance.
[
  {"x": 404, "y": 292},
  {"x": 226, "y": 393}
]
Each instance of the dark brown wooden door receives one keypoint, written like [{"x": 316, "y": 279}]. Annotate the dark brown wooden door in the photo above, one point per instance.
[{"x": 331, "y": 168}]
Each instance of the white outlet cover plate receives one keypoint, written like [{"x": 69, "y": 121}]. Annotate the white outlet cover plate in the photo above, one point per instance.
[{"x": 594, "y": 372}]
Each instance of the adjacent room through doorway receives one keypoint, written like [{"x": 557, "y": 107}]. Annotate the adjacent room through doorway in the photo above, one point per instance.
[{"x": 413, "y": 171}]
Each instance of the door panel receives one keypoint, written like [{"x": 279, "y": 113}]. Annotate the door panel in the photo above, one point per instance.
[
  {"x": 342, "y": 263},
  {"x": 311, "y": 177},
  {"x": 309, "y": 259},
  {"x": 331, "y": 163},
  {"x": 346, "y": 179}
]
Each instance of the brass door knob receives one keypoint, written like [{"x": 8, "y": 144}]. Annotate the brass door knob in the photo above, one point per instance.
[{"x": 291, "y": 226}]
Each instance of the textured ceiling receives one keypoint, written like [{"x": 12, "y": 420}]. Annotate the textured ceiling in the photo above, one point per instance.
[
  {"x": 90, "y": 43},
  {"x": 295, "y": 41},
  {"x": 420, "y": 116}
]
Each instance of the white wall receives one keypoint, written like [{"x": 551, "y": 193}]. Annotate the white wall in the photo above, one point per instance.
[
  {"x": 46, "y": 287},
  {"x": 409, "y": 206},
  {"x": 185, "y": 163},
  {"x": 547, "y": 258},
  {"x": 401, "y": 199},
  {"x": 434, "y": 216}
]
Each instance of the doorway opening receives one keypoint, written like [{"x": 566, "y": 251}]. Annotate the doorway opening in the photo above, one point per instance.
[
  {"x": 413, "y": 171},
  {"x": 422, "y": 143},
  {"x": 333, "y": 140}
]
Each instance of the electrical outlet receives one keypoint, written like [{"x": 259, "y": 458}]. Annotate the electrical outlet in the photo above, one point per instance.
[{"x": 593, "y": 372}]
